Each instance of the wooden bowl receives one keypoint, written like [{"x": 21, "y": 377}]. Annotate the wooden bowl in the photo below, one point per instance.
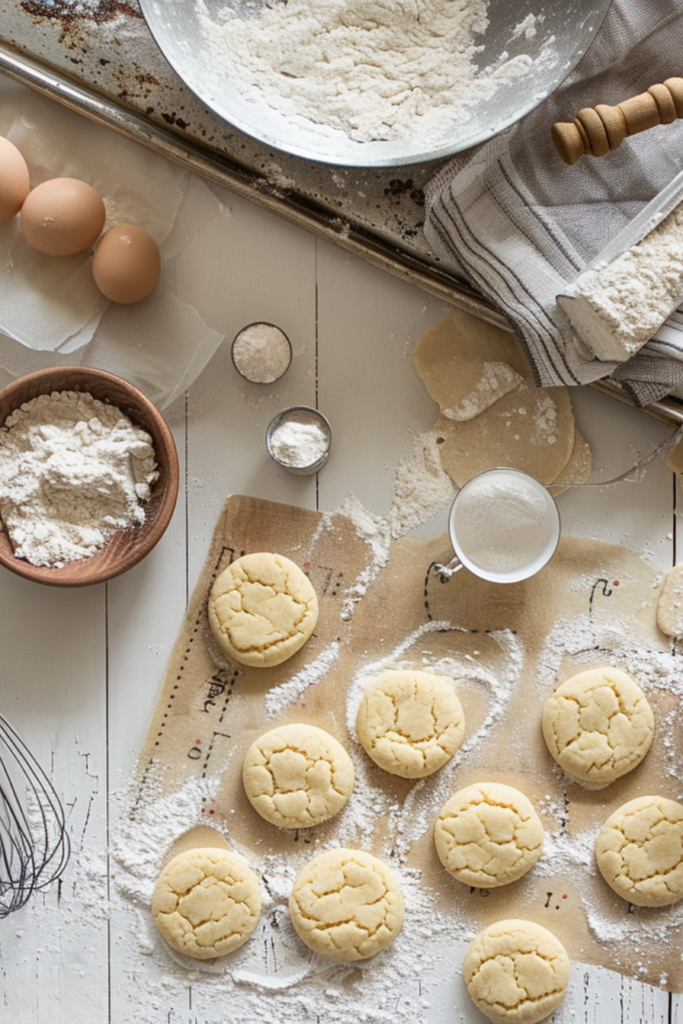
[{"x": 125, "y": 548}]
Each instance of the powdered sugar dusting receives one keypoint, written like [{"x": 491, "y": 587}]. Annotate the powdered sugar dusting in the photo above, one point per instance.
[
  {"x": 279, "y": 697},
  {"x": 421, "y": 487}
]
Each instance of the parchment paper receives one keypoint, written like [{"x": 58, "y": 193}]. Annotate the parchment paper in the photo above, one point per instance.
[
  {"x": 51, "y": 312},
  {"x": 595, "y": 603}
]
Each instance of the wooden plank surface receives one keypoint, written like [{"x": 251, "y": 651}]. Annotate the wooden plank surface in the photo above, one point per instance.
[{"x": 81, "y": 669}]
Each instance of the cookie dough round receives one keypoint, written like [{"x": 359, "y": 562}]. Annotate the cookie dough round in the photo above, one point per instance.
[
  {"x": 598, "y": 725},
  {"x": 296, "y": 776},
  {"x": 488, "y": 835},
  {"x": 516, "y": 971},
  {"x": 640, "y": 851},
  {"x": 410, "y": 723},
  {"x": 206, "y": 902},
  {"x": 262, "y": 609},
  {"x": 346, "y": 904}
]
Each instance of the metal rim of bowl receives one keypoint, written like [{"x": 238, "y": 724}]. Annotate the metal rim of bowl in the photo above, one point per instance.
[
  {"x": 157, "y": 22},
  {"x": 67, "y": 575},
  {"x": 288, "y": 413}
]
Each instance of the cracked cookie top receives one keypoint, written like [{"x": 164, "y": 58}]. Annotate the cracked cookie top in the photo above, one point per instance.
[
  {"x": 488, "y": 834},
  {"x": 598, "y": 725},
  {"x": 410, "y": 723},
  {"x": 516, "y": 971},
  {"x": 207, "y": 902},
  {"x": 346, "y": 904},
  {"x": 262, "y": 609},
  {"x": 639, "y": 851},
  {"x": 297, "y": 775}
]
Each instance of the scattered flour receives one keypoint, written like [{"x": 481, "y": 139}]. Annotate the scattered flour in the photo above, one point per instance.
[
  {"x": 376, "y": 533},
  {"x": 421, "y": 487},
  {"x": 497, "y": 379},
  {"x": 280, "y": 697}
]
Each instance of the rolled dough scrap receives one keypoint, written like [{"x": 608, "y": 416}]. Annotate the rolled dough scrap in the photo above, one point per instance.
[
  {"x": 516, "y": 971},
  {"x": 296, "y": 776},
  {"x": 598, "y": 725},
  {"x": 262, "y": 609},
  {"x": 639, "y": 851},
  {"x": 206, "y": 902},
  {"x": 670, "y": 604},
  {"x": 467, "y": 364},
  {"x": 410, "y": 723},
  {"x": 488, "y": 835},
  {"x": 577, "y": 470},
  {"x": 346, "y": 904},
  {"x": 531, "y": 429}
]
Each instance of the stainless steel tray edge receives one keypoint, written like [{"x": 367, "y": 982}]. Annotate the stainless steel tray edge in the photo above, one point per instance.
[{"x": 221, "y": 170}]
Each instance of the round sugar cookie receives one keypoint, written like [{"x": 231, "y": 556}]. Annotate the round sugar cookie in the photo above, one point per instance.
[
  {"x": 262, "y": 609},
  {"x": 639, "y": 851},
  {"x": 516, "y": 971},
  {"x": 346, "y": 904},
  {"x": 206, "y": 902},
  {"x": 296, "y": 776},
  {"x": 598, "y": 725},
  {"x": 488, "y": 835},
  {"x": 410, "y": 723}
]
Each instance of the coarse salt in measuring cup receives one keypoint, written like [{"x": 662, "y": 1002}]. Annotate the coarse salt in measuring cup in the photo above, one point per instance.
[
  {"x": 299, "y": 439},
  {"x": 504, "y": 526}
]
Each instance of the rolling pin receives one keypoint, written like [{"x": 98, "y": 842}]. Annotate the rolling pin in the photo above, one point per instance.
[{"x": 602, "y": 129}]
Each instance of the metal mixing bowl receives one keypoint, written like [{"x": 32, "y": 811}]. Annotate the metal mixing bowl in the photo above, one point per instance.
[{"x": 566, "y": 26}]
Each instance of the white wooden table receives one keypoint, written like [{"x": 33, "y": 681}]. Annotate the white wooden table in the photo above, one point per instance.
[{"x": 81, "y": 668}]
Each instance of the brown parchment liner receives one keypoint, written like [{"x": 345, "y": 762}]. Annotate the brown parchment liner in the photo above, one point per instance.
[{"x": 208, "y": 712}]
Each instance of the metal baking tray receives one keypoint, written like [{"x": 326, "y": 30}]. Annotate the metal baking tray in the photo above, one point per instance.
[{"x": 105, "y": 65}]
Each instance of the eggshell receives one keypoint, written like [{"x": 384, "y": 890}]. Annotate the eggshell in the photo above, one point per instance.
[
  {"x": 62, "y": 216},
  {"x": 126, "y": 264},
  {"x": 14, "y": 183}
]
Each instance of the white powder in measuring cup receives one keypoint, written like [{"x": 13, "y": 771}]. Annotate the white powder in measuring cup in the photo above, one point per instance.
[
  {"x": 73, "y": 470},
  {"x": 298, "y": 443},
  {"x": 502, "y": 521}
]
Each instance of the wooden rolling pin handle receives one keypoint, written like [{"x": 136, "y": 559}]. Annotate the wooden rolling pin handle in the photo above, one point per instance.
[{"x": 601, "y": 129}]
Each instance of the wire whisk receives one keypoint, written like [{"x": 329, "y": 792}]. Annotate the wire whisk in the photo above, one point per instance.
[{"x": 34, "y": 844}]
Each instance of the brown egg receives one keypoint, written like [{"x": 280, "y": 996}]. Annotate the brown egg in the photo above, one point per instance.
[
  {"x": 126, "y": 264},
  {"x": 14, "y": 183},
  {"x": 62, "y": 216}
]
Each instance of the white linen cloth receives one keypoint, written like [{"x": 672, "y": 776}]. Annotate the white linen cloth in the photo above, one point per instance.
[{"x": 519, "y": 224}]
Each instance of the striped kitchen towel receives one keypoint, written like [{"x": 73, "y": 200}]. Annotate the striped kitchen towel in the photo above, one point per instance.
[{"x": 520, "y": 225}]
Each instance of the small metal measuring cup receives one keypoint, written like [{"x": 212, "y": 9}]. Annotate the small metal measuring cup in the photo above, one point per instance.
[
  {"x": 522, "y": 572},
  {"x": 306, "y": 416}
]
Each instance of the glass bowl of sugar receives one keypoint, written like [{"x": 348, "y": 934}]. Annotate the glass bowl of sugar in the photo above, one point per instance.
[{"x": 504, "y": 526}]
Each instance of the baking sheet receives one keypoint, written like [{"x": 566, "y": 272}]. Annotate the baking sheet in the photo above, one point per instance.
[{"x": 505, "y": 647}]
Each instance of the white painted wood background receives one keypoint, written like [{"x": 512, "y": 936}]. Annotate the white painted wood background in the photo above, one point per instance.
[{"x": 81, "y": 668}]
